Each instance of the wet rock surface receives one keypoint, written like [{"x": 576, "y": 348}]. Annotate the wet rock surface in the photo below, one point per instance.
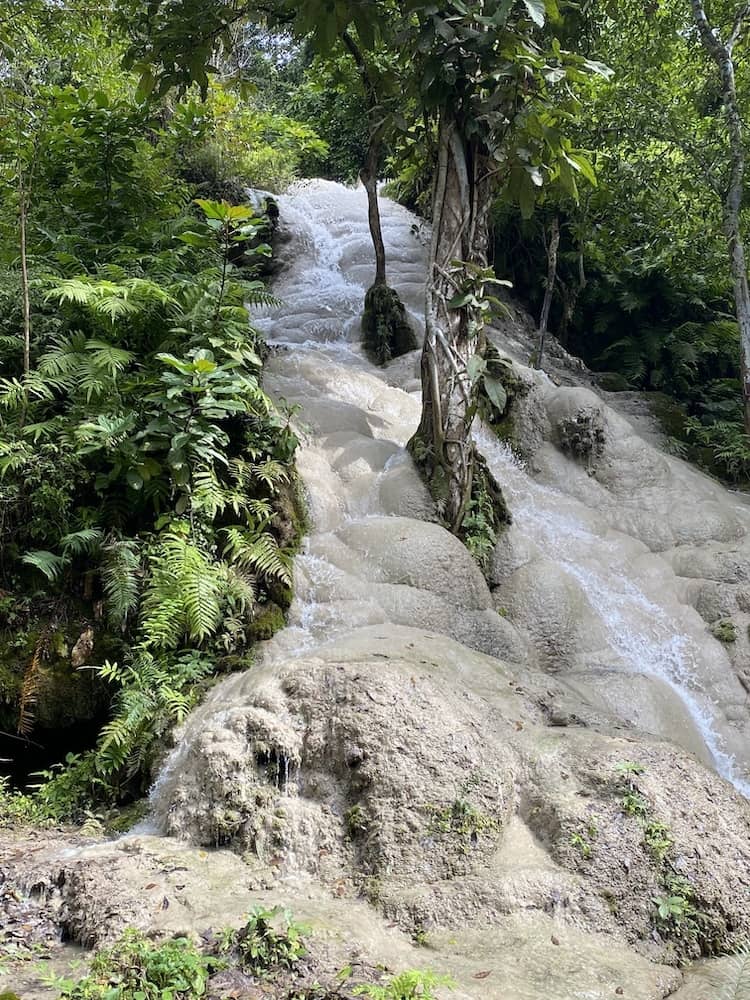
[{"x": 513, "y": 774}]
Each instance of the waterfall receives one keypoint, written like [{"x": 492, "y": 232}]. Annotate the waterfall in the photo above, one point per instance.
[{"x": 354, "y": 420}]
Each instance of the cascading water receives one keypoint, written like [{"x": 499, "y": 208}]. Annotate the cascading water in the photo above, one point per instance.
[
  {"x": 642, "y": 635},
  {"x": 355, "y": 420}
]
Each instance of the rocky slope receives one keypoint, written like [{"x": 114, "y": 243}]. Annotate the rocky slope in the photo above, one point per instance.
[{"x": 512, "y": 773}]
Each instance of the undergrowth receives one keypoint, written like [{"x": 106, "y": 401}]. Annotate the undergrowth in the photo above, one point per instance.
[
  {"x": 165, "y": 521},
  {"x": 269, "y": 948}
]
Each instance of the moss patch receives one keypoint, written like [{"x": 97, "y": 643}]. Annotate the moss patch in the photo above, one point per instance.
[
  {"x": 267, "y": 622},
  {"x": 724, "y": 630}
]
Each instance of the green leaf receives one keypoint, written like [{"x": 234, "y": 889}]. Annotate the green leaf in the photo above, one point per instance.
[
  {"x": 496, "y": 392},
  {"x": 462, "y": 299},
  {"x": 476, "y": 366}
]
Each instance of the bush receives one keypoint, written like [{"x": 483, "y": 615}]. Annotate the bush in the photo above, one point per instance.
[{"x": 138, "y": 969}]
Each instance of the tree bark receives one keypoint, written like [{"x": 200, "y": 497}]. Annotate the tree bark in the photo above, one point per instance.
[
  {"x": 549, "y": 291},
  {"x": 23, "y": 215},
  {"x": 369, "y": 177},
  {"x": 443, "y": 446},
  {"x": 722, "y": 54},
  {"x": 369, "y": 172}
]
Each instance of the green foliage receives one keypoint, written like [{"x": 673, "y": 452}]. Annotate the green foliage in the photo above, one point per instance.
[
  {"x": 583, "y": 838},
  {"x": 732, "y": 982},
  {"x": 413, "y": 984},
  {"x": 656, "y": 837},
  {"x": 479, "y": 528},
  {"x": 724, "y": 444},
  {"x": 140, "y": 459},
  {"x": 135, "y": 968},
  {"x": 18, "y": 809},
  {"x": 270, "y": 941},
  {"x": 461, "y": 818}
]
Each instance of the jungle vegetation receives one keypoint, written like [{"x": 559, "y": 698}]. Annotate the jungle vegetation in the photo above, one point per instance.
[{"x": 591, "y": 154}]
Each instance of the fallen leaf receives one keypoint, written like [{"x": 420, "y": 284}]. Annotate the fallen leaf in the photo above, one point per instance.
[
  {"x": 482, "y": 975},
  {"x": 151, "y": 885}
]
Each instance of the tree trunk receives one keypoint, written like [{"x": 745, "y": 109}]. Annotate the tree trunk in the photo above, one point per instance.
[
  {"x": 369, "y": 172},
  {"x": 442, "y": 445},
  {"x": 23, "y": 216},
  {"x": 721, "y": 53},
  {"x": 369, "y": 177},
  {"x": 549, "y": 291}
]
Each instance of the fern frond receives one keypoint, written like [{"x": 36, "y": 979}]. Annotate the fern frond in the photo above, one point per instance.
[
  {"x": 83, "y": 542},
  {"x": 260, "y": 554},
  {"x": 120, "y": 571},
  {"x": 733, "y": 980},
  {"x": 30, "y": 687},
  {"x": 51, "y": 565}
]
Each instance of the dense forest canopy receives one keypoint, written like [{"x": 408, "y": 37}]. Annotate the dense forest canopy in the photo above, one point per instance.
[{"x": 591, "y": 155}]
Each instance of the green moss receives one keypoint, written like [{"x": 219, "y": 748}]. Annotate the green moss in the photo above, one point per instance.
[
  {"x": 125, "y": 817},
  {"x": 267, "y": 622},
  {"x": 461, "y": 819},
  {"x": 502, "y": 421},
  {"x": 385, "y": 328},
  {"x": 356, "y": 822},
  {"x": 724, "y": 630}
]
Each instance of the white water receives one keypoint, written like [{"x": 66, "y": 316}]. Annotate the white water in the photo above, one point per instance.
[
  {"x": 355, "y": 420},
  {"x": 641, "y": 633}
]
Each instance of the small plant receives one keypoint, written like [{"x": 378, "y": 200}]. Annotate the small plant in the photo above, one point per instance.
[
  {"x": 734, "y": 981},
  {"x": 135, "y": 968},
  {"x": 17, "y": 808},
  {"x": 656, "y": 837},
  {"x": 356, "y": 822},
  {"x": 479, "y": 529},
  {"x": 270, "y": 940},
  {"x": 419, "y": 936},
  {"x": 410, "y": 985},
  {"x": 634, "y": 804},
  {"x": 629, "y": 769},
  {"x": 582, "y": 839},
  {"x": 671, "y": 909},
  {"x": 461, "y": 819}
]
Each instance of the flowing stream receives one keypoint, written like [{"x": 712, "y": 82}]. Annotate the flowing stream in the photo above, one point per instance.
[{"x": 355, "y": 420}]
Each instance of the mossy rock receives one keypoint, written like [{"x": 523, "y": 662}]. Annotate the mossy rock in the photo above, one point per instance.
[
  {"x": 267, "y": 622},
  {"x": 386, "y": 330},
  {"x": 502, "y": 371},
  {"x": 724, "y": 630},
  {"x": 46, "y": 654},
  {"x": 124, "y": 818}
]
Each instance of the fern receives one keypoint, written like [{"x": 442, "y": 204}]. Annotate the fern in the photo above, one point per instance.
[
  {"x": 182, "y": 596},
  {"x": 154, "y": 693},
  {"x": 259, "y": 553},
  {"x": 733, "y": 981},
  {"x": 51, "y": 565},
  {"x": 30, "y": 687},
  {"x": 120, "y": 570},
  {"x": 83, "y": 542}
]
